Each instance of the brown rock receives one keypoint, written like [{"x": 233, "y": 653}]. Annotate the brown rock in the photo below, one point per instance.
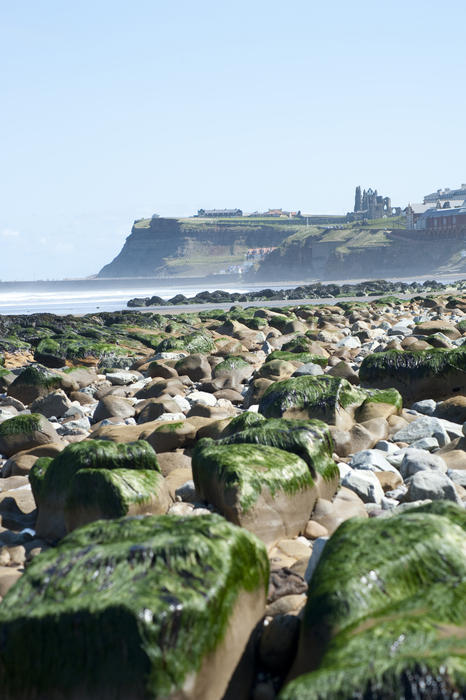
[
  {"x": 169, "y": 461},
  {"x": 113, "y": 406},
  {"x": 195, "y": 366},
  {"x": 314, "y": 530},
  {"x": 8, "y": 577},
  {"x": 176, "y": 478},
  {"x": 453, "y": 409},
  {"x": 372, "y": 409},
  {"x": 170, "y": 436},
  {"x": 159, "y": 369},
  {"x": 389, "y": 480},
  {"x": 150, "y": 409}
]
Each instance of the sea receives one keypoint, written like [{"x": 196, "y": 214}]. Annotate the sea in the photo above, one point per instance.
[
  {"x": 87, "y": 301},
  {"x": 93, "y": 296}
]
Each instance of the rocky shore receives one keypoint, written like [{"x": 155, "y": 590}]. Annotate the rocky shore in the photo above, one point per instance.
[
  {"x": 307, "y": 291},
  {"x": 248, "y": 504}
]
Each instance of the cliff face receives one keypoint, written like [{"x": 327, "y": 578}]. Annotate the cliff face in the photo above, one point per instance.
[
  {"x": 351, "y": 254},
  {"x": 192, "y": 247}
]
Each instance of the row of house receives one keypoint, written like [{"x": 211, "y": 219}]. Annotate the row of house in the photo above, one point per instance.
[
  {"x": 442, "y": 212},
  {"x": 228, "y": 213}
]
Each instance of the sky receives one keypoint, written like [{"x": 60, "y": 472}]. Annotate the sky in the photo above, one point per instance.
[{"x": 111, "y": 111}]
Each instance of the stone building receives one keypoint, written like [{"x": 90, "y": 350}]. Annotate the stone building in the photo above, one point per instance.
[{"x": 370, "y": 205}]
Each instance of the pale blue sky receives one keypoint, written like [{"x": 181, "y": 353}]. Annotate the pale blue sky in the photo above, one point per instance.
[{"x": 113, "y": 110}]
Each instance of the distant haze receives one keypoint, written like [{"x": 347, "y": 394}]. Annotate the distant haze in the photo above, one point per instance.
[{"x": 113, "y": 110}]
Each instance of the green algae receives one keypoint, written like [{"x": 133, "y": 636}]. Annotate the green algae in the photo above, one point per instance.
[
  {"x": 22, "y": 424},
  {"x": 245, "y": 469},
  {"x": 321, "y": 397},
  {"x": 248, "y": 419},
  {"x": 414, "y": 364},
  {"x": 39, "y": 378},
  {"x": 390, "y": 396},
  {"x": 303, "y": 357},
  {"x": 123, "y": 601},
  {"x": 309, "y": 439},
  {"x": 389, "y": 626},
  {"x": 111, "y": 492},
  {"x": 94, "y": 454},
  {"x": 229, "y": 364},
  {"x": 37, "y": 476}
]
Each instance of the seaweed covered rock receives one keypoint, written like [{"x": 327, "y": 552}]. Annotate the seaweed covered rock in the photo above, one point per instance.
[
  {"x": 154, "y": 607},
  {"x": 191, "y": 343},
  {"x": 264, "y": 489},
  {"x": 33, "y": 382},
  {"x": 25, "y": 431},
  {"x": 330, "y": 399},
  {"x": 235, "y": 367},
  {"x": 49, "y": 352},
  {"x": 418, "y": 375},
  {"x": 310, "y": 440},
  {"x": 294, "y": 356},
  {"x": 96, "y": 479},
  {"x": 386, "y": 613}
]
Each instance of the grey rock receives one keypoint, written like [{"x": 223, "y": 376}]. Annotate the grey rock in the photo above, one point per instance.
[
  {"x": 420, "y": 460},
  {"x": 422, "y": 427},
  {"x": 122, "y": 378},
  {"x": 365, "y": 484},
  {"x": 431, "y": 485},
  {"x": 458, "y": 476},
  {"x": 187, "y": 492},
  {"x": 398, "y": 493},
  {"x": 372, "y": 460},
  {"x": 310, "y": 369},
  {"x": 317, "y": 549},
  {"x": 428, "y": 443},
  {"x": 427, "y": 407},
  {"x": 386, "y": 446}
]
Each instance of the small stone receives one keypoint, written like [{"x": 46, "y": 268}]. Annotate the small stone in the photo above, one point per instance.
[{"x": 315, "y": 530}]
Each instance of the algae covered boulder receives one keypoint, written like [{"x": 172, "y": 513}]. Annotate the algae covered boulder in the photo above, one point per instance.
[
  {"x": 25, "y": 431},
  {"x": 132, "y": 609},
  {"x": 262, "y": 488},
  {"x": 96, "y": 479},
  {"x": 386, "y": 612},
  {"x": 418, "y": 374},
  {"x": 33, "y": 382},
  {"x": 310, "y": 440},
  {"x": 330, "y": 399}
]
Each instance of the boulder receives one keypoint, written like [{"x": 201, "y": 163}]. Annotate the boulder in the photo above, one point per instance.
[
  {"x": 113, "y": 407},
  {"x": 33, "y": 382},
  {"x": 170, "y": 436},
  {"x": 384, "y": 621},
  {"x": 54, "y": 404},
  {"x": 261, "y": 488},
  {"x": 310, "y": 440},
  {"x": 196, "y": 367},
  {"x": 431, "y": 484},
  {"x": 137, "y": 587},
  {"x": 24, "y": 432},
  {"x": 330, "y": 399},
  {"x": 66, "y": 497},
  {"x": 423, "y": 374}
]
